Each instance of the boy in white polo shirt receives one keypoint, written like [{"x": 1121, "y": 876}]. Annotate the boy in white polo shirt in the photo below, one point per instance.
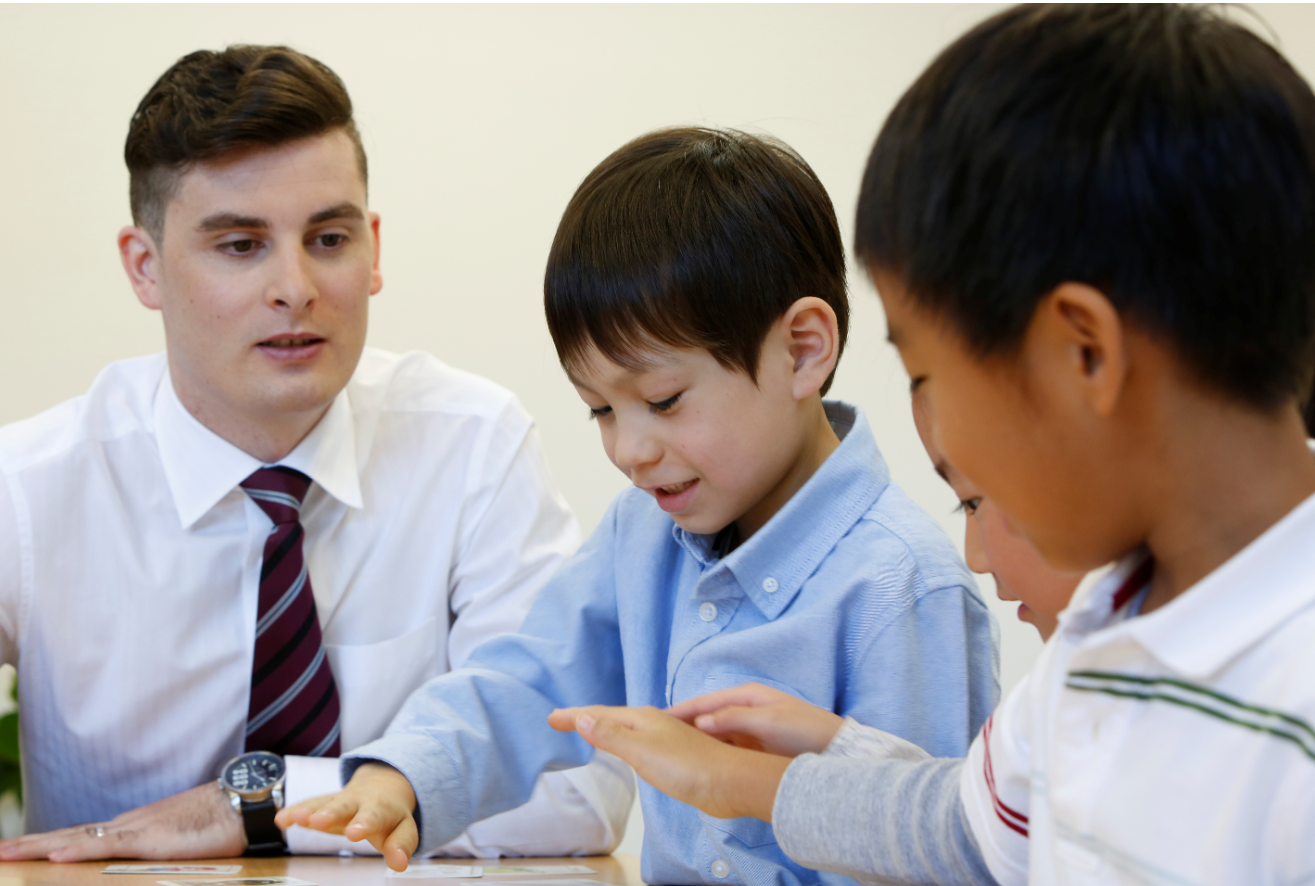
[{"x": 1092, "y": 229}]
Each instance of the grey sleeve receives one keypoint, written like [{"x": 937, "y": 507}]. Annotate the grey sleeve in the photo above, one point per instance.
[{"x": 879, "y": 821}]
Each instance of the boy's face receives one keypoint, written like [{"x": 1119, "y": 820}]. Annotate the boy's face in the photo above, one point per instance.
[
  {"x": 1016, "y": 430},
  {"x": 991, "y": 545},
  {"x": 268, "y": 262},
  {"x": 708, "y": 444}
]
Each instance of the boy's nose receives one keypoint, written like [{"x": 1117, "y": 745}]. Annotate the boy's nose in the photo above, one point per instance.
[{"x": 633, "y": 449}]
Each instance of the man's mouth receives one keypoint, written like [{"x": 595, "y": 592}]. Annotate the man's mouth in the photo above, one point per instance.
[{"x": 291, "y": 342}]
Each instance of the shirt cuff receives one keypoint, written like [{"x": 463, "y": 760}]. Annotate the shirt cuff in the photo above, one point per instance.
[
  {"x": 853, "y": 739},
  {"x": 314, "y": 777}
]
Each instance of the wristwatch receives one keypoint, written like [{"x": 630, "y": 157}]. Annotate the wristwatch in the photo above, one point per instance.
[{"x": 254, "y": 784}]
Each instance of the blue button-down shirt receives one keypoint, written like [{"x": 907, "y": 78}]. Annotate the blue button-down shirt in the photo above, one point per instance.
[{"x": 850, "y": 597}]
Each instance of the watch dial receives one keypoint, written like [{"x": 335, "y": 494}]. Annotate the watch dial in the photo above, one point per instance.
[{"x": 253, "y": 772}]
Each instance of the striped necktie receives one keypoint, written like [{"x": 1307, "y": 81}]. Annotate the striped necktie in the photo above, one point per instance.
[{"x": 294, "y": 700}]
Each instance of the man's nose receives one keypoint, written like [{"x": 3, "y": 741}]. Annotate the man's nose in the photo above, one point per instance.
[{"x": 291, "y": 285}]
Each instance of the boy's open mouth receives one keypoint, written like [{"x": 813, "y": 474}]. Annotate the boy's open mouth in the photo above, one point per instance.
[
  {"x": 677, "y": 488},
  {"x": 298, "y": 342}
]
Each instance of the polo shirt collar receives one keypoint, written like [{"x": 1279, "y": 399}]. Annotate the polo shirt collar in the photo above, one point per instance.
[
  {"x": 202, "y": 468},
  {"x": 1239, "y": 604},
  {"x": 798, "y": 537},
  {"x": 1221, "y": 616}
]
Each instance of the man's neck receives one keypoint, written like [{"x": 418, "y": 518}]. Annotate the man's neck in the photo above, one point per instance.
[
  {"x": 1226, "y": 477},
  {"x": 268, "y": 439}
]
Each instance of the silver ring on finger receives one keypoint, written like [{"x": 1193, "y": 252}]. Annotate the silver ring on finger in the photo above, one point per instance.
[{"x": 96, "y": 830}]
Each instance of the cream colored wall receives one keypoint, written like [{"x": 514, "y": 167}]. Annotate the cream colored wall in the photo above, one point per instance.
[{"x": 479, "y": 121}]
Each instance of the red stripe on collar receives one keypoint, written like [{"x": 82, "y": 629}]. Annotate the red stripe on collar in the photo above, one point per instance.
[{"x": 1135, "y": 582}]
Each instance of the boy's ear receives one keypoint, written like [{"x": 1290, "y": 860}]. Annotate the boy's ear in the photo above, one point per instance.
[
  {"x": 1085, "y": 340},
  {"x": 139, "y": 254},
  {"x": 813, "y": 339}
]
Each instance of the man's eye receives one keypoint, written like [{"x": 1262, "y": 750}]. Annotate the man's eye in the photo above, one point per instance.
[
  {"x": 595, "y": 414},
  {"x": 664, "y": 405}
]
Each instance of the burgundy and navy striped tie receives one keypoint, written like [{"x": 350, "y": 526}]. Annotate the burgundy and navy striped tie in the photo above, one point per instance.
[{"x": 294, "y": 701}]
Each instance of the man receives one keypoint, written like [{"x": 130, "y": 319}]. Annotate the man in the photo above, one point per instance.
[{"x": 263, "y": 539}]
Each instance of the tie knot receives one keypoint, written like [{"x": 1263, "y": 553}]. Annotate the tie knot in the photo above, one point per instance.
[{"x": 279, "y": 491}]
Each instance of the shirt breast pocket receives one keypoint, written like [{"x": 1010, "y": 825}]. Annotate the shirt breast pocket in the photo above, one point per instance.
[
  {"x": 374, "y": 679},
  {"x": 718, "y": 682}
]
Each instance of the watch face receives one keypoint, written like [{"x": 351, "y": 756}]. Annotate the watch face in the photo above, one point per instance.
[{"x": 257, "y": 771}]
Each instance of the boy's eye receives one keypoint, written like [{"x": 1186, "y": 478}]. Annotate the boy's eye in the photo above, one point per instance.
[
  {"x": 330, "y": 241},
  {"x": 915, "y": 383},
  {"x": 664, "y": 405},
  {"x": 969, "y": 505},
  {"x": 595, "y": 414},
  {"x": 241, "y": 247}
]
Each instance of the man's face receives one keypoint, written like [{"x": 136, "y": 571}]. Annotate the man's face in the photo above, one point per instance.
[
  {"x": 268, "y": 262},
  {"x": 708, "y": 444}
]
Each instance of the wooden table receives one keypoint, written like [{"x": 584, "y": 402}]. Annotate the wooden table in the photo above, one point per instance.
[{"x": 621, "y": 869}]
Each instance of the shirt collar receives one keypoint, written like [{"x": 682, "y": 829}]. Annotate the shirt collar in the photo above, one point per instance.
[
  {"x": 1221, "y": 616},
  {"x": 201, "y": 467},
  {"x": 793, "y": 543}
]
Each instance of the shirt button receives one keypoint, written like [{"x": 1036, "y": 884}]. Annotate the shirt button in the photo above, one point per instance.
[
  {"x": 720, "y": 869},
  {"x": 770, "y": 585},
  {"x": 707, "y": 612}
]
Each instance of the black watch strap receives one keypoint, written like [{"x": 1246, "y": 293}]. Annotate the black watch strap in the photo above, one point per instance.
[{"x": 263, "y": 836}]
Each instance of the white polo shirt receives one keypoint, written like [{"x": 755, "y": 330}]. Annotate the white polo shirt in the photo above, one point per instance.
[{"x": 1171, "y": 748}]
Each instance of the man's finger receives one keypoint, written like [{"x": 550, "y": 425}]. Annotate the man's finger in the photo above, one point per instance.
[
  {"x": 401, "y": 844},
  {"x": 115, "y": 844}
]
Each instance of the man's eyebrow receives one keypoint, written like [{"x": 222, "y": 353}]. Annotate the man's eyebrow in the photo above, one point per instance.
[
  {"x": 345, "y": 209},
  {"x": 223, "y": 221}
]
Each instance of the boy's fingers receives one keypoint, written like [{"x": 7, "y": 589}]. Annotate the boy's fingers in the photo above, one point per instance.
[
  {"x": 563, "y": 719},
  {"x": 334, "y": 815},
  {"x": 401, "y": 844},
  {"x": 746, "y": 695}
]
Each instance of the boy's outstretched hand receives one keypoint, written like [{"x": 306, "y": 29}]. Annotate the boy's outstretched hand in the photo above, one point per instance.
[
  {"x": 376, "y": 805},
  {"x": 755, "y": 716},
  {"x": 679, "y": 760}
]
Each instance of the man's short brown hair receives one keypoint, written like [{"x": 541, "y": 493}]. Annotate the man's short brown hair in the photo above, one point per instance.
[{"x": 210, "y": 104}]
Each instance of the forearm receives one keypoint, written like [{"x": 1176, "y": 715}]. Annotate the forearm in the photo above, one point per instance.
[{"x": 878, "y": 821}]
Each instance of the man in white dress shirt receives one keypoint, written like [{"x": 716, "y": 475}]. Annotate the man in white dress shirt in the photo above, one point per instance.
[{"x": 141, "y": 562}]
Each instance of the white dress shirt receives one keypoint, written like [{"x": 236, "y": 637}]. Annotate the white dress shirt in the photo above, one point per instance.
[{"x": 129, "y": 572}]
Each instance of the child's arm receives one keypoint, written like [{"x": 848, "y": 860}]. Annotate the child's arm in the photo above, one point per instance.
[
  {"x": 679, "y": 760},
  {"x": 376, "y": 805},
  {"x": 758, "y": 717},
  {"x": 894, "y": 821}
]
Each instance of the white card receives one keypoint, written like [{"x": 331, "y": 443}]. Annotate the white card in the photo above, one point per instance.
[
  {"x": 172, "y": 869},
  {"x": 540, "y": 883},
  {"x": 435, "y": 871},
  {"x": 240, "y": 881},
  {"x": 537, "y": 870}
]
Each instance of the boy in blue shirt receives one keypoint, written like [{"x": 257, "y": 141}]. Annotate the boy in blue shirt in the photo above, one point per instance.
[
  {"x": 1091, "y": 228},
  {"x": 696, "y": 295}
]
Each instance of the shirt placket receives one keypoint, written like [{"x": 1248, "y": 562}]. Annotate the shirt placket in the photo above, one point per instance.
[{"x": 706, "y": 613}]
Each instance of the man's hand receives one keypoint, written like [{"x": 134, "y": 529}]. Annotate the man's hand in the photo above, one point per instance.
[
  {"x": 199, "y": 823},
  {"x": 679, "y": 760},
  {"x": 754, "y": 716},
  {"x": 376, "y": 805}
]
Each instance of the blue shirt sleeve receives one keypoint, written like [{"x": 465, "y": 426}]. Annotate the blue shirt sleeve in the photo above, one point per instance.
[{"x": 473, "y": 741}]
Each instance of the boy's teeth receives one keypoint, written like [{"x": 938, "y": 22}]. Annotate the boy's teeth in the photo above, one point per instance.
[{"x": 679, "y": 487}]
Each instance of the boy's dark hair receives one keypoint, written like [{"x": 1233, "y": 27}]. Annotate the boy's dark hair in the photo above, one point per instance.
[
  {"x": 1161, "y": 154},
  {"x": 214, "y": 103},
  {"x": 692, "y": 237}
]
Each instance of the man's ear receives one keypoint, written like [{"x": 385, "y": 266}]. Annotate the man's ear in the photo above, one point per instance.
[
  {"x": 814, "y": 343},
  {"x": 376, "y": 275},
  {"x": 1085, "y": 342},
  {"x": 139, "y": 255}
]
